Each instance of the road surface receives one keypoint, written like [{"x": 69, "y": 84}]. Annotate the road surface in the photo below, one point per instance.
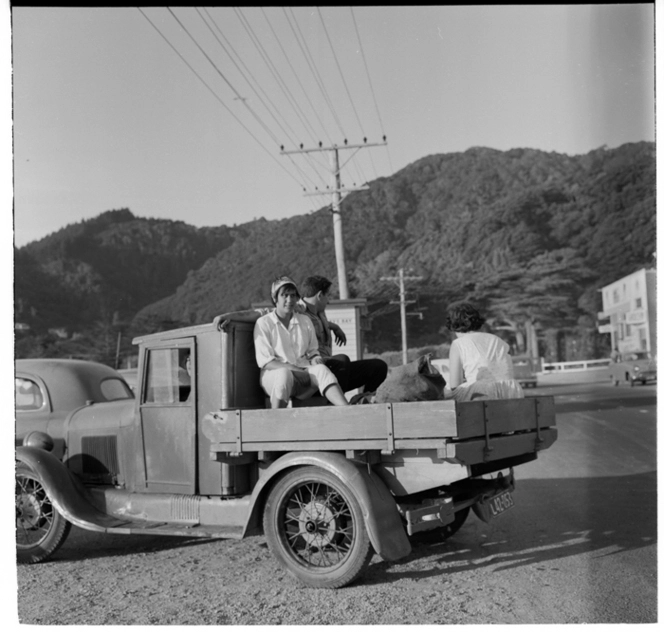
[{"x": 578, "y": 547}]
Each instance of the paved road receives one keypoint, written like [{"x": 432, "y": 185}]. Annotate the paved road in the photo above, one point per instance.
[
  {"x": 587, "y": 510},
  {"x": 578, "y": 547}
]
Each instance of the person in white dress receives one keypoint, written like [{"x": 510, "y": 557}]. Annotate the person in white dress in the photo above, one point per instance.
[{"x": 480, "y": 363}]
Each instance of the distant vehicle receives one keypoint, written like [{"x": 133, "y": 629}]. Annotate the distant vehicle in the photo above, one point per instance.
[
  {"x": 635, "y": 366},
  {"x": 47, "y": 391},
  {"x": 525, "y": 370}
]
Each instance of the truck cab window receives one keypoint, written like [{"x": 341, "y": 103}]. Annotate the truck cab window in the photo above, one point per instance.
[{"x": 168, "y": 376}]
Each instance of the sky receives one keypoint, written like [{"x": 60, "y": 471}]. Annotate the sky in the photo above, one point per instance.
[{"x": 107, "y": 115}]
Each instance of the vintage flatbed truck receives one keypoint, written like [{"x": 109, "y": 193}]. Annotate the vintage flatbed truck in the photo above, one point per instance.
[{"x": 198, "y": 454}]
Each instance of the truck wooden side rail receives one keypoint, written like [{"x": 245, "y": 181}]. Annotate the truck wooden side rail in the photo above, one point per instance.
[{"x": 464, "y": 433}]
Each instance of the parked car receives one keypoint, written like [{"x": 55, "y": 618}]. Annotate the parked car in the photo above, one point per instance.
[
  {"x": 47, "y": 391},
  {"x": 526, "y": 369},
  {"x": 635, "y": 366}
]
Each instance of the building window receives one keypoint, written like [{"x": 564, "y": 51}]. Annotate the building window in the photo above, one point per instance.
[
  {"x": 616, "y": 298},
  {"x": 628, "y": 331},
  {"x": 638, "y": 303}
]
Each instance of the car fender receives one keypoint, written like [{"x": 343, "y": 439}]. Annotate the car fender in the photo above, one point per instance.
[
  {"x": 65, "y": 492},
  {"x": 379, "y": 508}
]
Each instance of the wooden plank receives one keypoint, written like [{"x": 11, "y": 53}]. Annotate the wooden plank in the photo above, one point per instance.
[
  {"x": 504, "y": 415},
  {"x": 425, "y": 419},
  {"x": 473, "y": 450},
  {"x": 429, "y": 424},
  {"x": 337, "y": 444},
  {"x": 300, "y": 446}
]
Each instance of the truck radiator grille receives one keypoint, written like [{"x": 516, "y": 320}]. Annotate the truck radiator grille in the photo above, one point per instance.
[
  {"x": 100, "y": 455},
  {"x": 185, "y": 508}
]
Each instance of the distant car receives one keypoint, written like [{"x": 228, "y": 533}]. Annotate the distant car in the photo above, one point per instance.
[
  {"x": 635, "y": 366},
  {"x": 525, "y": 370},
  {"x": 48, "y": 390}
]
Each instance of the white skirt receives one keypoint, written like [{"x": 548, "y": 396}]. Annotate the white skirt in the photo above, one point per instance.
[{"x": 486, "y": 389}]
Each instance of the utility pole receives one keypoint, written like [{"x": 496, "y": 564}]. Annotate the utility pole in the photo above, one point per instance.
[
  {"x": 336, "y": 192},
  {"x": 401, "y": 282}
]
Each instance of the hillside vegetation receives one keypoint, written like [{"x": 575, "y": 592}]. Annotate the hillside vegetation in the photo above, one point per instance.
[{"x": 528, "y": 235}]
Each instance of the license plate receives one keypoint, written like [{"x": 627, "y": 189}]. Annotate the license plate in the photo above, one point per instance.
[{"x": 501, "y": 503}]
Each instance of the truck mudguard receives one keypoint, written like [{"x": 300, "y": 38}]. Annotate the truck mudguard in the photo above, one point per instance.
[
  {"x": 379, "y": 508},
  {"x": 66, "y": 493}
]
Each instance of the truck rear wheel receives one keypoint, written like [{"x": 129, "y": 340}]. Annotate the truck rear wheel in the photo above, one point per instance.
[
  {"x": 40, "y": 529},
  {"x": 314, "y": 526}
]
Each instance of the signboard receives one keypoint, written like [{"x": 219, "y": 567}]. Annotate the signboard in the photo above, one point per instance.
[{"x": 637, "y": 316}]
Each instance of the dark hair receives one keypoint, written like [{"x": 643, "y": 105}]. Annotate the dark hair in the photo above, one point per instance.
[
  {"x": 463, "y": 317},
  {"x": 314, "y": 284}
]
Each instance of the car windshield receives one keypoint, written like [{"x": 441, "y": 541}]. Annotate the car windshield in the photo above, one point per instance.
[{"x": 113, "y": 388}]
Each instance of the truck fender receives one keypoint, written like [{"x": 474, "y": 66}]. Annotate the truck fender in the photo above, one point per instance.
[
  {"x": 65, "y": 492},
  {"x": 379, "y": 508}
]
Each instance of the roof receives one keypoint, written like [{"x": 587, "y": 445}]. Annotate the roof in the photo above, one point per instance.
[{"x": 70, "y": 383}]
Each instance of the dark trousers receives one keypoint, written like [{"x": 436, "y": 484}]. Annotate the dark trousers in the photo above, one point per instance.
[{"x": 369, "y": 374}]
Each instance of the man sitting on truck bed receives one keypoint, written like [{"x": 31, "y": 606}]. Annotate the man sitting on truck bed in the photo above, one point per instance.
[
  {"x": 287, "y": 351},
  {"x": 369, "y": 374}
]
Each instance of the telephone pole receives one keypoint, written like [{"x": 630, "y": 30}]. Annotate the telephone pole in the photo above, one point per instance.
[
  {"x": 401, "y": 282},
  {"x": 336, "y": 192}
]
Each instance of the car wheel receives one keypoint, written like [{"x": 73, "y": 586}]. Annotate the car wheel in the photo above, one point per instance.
[
  {"x": 40, "y": 528},
  {"x": 314, "y": 526}
]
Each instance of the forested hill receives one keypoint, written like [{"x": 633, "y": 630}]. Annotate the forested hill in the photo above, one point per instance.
[
  {"x": 469, "y": 223},
  {"x": 529, "y": 235}
]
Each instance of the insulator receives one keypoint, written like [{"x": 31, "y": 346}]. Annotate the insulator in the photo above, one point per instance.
[
  {"x": 301, "y": 146},
  {"x": 365, "y": 139},
  {"x": 320, "y": 143},
  {"x": 282, "y": 148},
  {"x": 345, "y": 141},
  {"x": 385, "y": 138}
]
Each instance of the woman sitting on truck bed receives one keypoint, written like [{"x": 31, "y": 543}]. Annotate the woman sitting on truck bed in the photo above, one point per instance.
[
  {"x": 287, "y": 352},
  {"x": 480, "y": 364}
]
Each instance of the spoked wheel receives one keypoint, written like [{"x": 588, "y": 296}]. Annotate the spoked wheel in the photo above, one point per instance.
[
  {"x": 314, "y": 526},
  {"x": 40, "y": 529},
  {"x": 443, "y": 533}
]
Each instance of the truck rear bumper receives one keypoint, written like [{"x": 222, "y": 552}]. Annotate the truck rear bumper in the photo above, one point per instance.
[{"x": 477, "y": 493}]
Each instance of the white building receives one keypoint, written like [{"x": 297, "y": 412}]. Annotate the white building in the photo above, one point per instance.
[{"x": 630, "y": 306}]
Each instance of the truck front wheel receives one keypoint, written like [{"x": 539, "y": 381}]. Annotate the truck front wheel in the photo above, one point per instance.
[
  {"x": 314, "y": 526},
  {"x": 40, "y": 529}
]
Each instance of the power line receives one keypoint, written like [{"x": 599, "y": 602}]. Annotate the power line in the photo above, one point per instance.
[
  {"x": 249, "y": 73},
  {"x": 373, "y": 94},
  {"x": 221, "y": 74},
  {"x": 295, "y": 74},
  {"x": 297, "y": 167},
  {"x": 343, "y": 79},
  {"x": 275, "y": 73},
  {"x": 216, "y": 96},
  {"x": 401, "y": 282},
  {"x": 301, "y": 41}
]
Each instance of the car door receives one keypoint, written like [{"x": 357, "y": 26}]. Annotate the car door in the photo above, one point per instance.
[
  {"x": 168, "y": 421},
  {"x": 34, "y": 411}
]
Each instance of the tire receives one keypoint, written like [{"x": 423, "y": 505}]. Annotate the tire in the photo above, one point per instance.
[
  {"x": 40, "y": 529},
  {"x": 314, "y": 526},
  {"x": 443, "y": 533}
]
